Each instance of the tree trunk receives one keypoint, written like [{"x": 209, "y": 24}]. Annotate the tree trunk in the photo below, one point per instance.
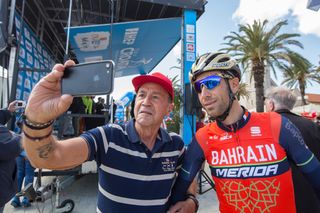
[
  {"x": 302, "y": 92},
  {"x": 258, "y": 74}
]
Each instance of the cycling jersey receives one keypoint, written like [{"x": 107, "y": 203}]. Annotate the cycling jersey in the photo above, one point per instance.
[{"x": 248, "y": 163}]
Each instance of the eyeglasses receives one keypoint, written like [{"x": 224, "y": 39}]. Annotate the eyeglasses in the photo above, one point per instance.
[{"x": 209, "y": 82}]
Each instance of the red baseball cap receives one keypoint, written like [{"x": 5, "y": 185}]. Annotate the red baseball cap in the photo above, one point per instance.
[{"x": 157, "y": 78}]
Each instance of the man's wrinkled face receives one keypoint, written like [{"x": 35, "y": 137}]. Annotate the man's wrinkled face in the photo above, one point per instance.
[{"x": 151, "y": 105}]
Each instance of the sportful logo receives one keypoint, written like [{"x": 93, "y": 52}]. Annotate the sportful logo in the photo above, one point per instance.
[
  {"x": 255, "y": 131},
  {"x": 226, "y": 136}
]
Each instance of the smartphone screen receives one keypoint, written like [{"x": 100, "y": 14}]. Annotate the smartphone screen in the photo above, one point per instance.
[{"x": 94, "y": 78}]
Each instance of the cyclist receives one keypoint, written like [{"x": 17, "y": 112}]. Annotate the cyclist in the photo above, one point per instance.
[{"x": 247, "y": 152}]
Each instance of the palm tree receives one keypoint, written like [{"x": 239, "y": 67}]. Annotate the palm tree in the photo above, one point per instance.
[
  {"x": 256, "y": 47},
  {"x": 243, "y": 92},
  {"x": 174, "y": 124},
  {"x": 299, "y": 72}
]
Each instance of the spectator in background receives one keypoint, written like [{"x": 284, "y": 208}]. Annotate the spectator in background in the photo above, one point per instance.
[
  {"x": 100, "y": 110},
  {"x": 282, "y": 100},
  {"x": 318, "y": 120},
  {"x": 113, "y": 112},
  {"x": 88, "y": 103},
  {"x": 100, "y": 106},
  {"x": 9, "y": 150},
  {"x": 6, "y": 114},
  {"x": 200, "y": 122},
  {"x": 26, "y": 173},
  {"x": 132, "y": 107},
  {"x": 77, "y": 107},
  {"x": 24, "y": 168}
]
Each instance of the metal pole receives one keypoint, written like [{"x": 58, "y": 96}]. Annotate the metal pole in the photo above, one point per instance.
[
  {"x": 11, "y": 16},
  {"x": 13, "y": 62},
  {"x": 68, "y": 29}
]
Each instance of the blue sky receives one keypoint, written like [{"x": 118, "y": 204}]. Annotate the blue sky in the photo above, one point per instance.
[{"x": 222, "y": 17}]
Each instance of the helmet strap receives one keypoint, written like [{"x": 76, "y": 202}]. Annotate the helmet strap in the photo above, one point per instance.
[{"x": 224, "y": 115}]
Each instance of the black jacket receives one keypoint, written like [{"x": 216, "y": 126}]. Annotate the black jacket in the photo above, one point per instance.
[
  {"x": 5, "y": 116},
  {"x": 306, "y": 199},
  {"x": 9, "y": 149}
]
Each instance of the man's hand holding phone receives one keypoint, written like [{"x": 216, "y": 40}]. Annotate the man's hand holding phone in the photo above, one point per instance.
[{"x": 46, "y": 102}]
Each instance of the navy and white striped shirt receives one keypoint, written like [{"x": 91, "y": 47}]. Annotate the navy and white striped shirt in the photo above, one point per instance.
[{"x": 131, "y": 177}]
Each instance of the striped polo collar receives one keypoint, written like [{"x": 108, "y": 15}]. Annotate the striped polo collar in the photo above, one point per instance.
[{"x": 133, "y": 135}]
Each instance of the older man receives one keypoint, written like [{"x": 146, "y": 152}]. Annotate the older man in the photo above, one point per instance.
[
  {"x": 137, "y": 165},
  {"x": 282, "y": 100}
]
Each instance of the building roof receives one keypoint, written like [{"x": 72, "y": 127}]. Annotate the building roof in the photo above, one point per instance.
[
  {"x": 313, "y": 98},
  {"x": 49, "y": 18}
]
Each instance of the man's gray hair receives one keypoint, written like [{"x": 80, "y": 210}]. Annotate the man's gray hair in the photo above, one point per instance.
[{"x": 283, "y": 98}]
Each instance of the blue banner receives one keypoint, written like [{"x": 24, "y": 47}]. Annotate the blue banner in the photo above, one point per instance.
[
  {"x": 189, "y": 56},
  {"x": 32, "y": 54},
  {"x": 126, "y": 99},
  {"x": 135, "y": 47}
]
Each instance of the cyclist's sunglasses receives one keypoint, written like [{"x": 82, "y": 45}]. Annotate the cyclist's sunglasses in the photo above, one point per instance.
[{"x": 209, "y": 82}]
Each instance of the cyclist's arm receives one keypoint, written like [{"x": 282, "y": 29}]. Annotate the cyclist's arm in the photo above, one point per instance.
[
  {"x": 291, "y": 139},
  {"x": 193, "y": 159}
]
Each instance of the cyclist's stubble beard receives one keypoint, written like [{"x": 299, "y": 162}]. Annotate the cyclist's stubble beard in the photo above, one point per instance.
[{"x": 219, "y": 105}]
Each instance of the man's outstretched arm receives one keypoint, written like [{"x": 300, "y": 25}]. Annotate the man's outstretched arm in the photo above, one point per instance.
[{"x": 44, "y": 105}]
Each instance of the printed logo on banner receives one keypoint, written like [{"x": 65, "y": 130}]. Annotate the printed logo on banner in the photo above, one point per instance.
[
  {"x": 42, "y": 66},
  {"x": 35, "y": 76},
  {"x": 191, "y": 56},
  {"x": 19, "y": 81},
  {"x": 18, "y": 94},
  {"x": 40, "y": 58},
  {"x": 18, "y": 25},
  {"x": 190, "y": 28},
  {"x": 36, "y": 64},
  {"x": 190, "y": 38},
  {"x": 130, "y": 36},
  {"x": 46, "y": 63},
  {"x": 92, "y": 41},
  {"x": 29, "y": 59},
  {"x": 33, "y": 41},
  {"x": 21, "y": 62},
  {"x": 25, "y": 95},
  {"x": 22, "y": 53},
  {"x": 27, "y": 83},
  {"x": 27, "y": 33},
  {"x": 39, "y": 48},
  {"x": 28, "y": 73},
  {"x": 45, "y": 54},
  {"x": 190, "y": 47},
  {"x": 22, "y": 41},
  {"x": 35, "y": 52},
  {"x": 93, "y": 58},
  {"x": 28, "y": 46},
  {"x": 140, "y": 62}
]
